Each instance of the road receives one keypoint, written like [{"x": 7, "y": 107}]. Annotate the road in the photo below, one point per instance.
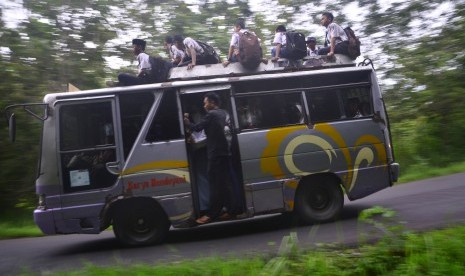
[{"x": 422, "y": 205}]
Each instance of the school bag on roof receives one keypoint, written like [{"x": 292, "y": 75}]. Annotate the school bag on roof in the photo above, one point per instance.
[
  {"x": 295, "y": 45},
  {"x": 209, "y": 53},
  {"x": 159, "y": 69},
  {"x": 250, "y": 51},
  {"x": 354, "y": 43}
]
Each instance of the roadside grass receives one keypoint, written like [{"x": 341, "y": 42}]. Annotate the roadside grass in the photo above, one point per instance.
[
  {"x": 18, "y": 225},
  {"x": 438, "y": 252},
  {"x": 422, "y": 171}
]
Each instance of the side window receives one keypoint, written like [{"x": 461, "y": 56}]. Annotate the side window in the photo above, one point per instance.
[
  {"x": 269, "y": 111},
  {"x": 323, "y": 106},
  {"x": 87, "y": 143},
  {"x": 165, "y": 125},
  {"x": 134, "y": 109},
  {"x": 357, "y": 102},
  {"x": 339, "y": 104}
]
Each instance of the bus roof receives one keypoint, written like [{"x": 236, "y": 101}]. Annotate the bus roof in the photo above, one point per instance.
[{"x": 218, "y": 74}]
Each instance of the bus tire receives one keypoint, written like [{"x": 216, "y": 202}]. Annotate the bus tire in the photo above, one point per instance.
[
  {"x": 141, "y": 222},
  {"x": 318, "y": 199}
]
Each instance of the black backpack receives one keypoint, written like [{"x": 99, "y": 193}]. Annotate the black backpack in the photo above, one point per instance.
[
  {"x": 209, "y": 53},
  {"x": 354, "y": 43},
  {"x": 295, "y": 45},
  {"x": 159, "y": 70},
  {"x": 250, "y": 51}
]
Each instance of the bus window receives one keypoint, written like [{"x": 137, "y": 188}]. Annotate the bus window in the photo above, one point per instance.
[
  {"x": 165, "y": 125},
  {"x": 357, "y": 102},
  {"x": 323, "y": 106},
  {"x": 134, "y": 108},
  {"x": 339, "y": 104},
  {"x": 269, "y": 111},
  {"x": 87, "y": 143}
]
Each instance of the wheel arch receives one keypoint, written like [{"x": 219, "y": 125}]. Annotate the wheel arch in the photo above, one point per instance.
[{"x": 112, "y": 207}]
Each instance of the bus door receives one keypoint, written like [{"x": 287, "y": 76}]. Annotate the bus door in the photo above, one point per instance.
[
  {"x": 90, "y": 156},
  {"x": 192, "y": 104}
]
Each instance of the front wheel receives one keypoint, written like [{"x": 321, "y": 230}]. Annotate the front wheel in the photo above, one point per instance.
[
  {"x": 140, "y": 223},
  {"x": 319, "y": 199}
]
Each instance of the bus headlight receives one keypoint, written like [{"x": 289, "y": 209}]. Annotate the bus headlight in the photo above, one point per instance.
[{"x": 41, "y": 201}]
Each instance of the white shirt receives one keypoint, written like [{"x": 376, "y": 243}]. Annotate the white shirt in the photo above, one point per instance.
[
  {"x": 190, "y": 43},
  {"x": 236, "y": 37},
  {"x": 334, "y": 30},
  {"x": 144, "y": 63},
  {"x": 175, "y": 52},
  {"x": 280, "y": 37}
]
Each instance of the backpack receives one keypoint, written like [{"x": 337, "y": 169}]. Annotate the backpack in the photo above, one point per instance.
[
  {"x": 209, "y": 53},
  {"x": 159, "y": 69},
  {"x": 295, "y": 45},
  {"x": 250, "y": 51},
  {"x": 354, "y": 43}
]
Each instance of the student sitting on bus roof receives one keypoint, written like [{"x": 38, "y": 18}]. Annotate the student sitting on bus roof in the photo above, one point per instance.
[
  {"x": 174, "y": 53},
  {"x": 336, "y": 40},
  {"x": 233, "y": 54},
  {"x": 311, "y": 46},
  {"x": 279, "y": 51},
  {"x": 195, "y": 53},
  {"x": 144, "y": 67}
]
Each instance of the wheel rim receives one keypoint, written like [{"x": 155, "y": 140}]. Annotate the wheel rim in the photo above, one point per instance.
[
  {"x": 142, "y": 228},
  {"x": 318, "y": 199}
]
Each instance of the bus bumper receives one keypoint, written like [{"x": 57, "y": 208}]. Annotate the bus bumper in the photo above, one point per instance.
[
  {"x": 394, "y": 169},
  {"x": 44, "y": 220}
]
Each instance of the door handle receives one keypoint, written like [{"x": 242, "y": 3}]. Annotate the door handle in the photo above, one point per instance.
[{"x": 113, "y": 167}]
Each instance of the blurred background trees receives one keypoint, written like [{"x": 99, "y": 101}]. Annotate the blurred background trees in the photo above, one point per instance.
[{"x": 416, "y": 47}]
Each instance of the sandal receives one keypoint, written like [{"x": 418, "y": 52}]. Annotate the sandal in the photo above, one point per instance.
[
  {"x": 225, "y": 216},
  {"x": 203, "y": 220}
]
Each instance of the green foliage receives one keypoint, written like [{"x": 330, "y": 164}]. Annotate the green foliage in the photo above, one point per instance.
[{"x": 434, "y": 253}]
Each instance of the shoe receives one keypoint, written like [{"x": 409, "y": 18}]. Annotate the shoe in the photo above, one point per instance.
[
  {"x": 225, "y": 216},
  {"x": 203, "y": 220}
]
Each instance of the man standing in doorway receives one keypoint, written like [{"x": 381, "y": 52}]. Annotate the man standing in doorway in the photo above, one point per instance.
[
  {"x": 336, "y": 40},
  {"x": 218, "y": 155}
]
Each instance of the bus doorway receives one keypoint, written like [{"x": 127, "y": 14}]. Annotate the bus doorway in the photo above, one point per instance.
[{"x": 193, "y": 107}]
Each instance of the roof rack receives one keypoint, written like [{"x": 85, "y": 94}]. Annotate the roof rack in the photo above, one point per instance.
[{"x": 236, "y": 69}]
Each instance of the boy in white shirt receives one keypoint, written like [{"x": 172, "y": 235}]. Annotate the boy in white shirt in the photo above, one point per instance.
[
  {"x": 175, "y": 54},
  {"x": 279, "y": 51},
  {"x": 144, "y": 67}
]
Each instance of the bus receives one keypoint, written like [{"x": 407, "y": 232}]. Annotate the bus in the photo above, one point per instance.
[{"x": 303, "y": 137}]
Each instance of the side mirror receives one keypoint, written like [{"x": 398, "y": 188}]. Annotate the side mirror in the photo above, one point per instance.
[{"x": 12, "y": 127}]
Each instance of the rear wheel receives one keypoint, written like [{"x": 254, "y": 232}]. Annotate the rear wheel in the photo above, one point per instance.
[
  {"x": 319, "y": 199},
  {"x": 140, "y": 223}
]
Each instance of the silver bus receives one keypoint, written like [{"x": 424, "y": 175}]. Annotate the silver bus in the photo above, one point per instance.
[{"x": 302, "y": 136}]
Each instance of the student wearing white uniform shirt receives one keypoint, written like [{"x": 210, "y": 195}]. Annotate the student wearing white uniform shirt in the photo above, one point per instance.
[
  {"x": 279, "y": 51},
  {"x": 336, "y": 41},
  {"x": 143, "y": 66},
  {"x": 175, "y": 54}
]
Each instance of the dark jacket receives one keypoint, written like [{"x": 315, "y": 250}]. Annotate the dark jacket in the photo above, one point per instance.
[{"x": 213, "y": 123}]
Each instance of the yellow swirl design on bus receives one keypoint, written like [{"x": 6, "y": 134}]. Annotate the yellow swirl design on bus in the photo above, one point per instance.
[
  {"x": 269, "y": 162},
  {"x": 306, "y": 139},
  {"x": 156, "y": 166},
  {"x": 363, "y": 149}
]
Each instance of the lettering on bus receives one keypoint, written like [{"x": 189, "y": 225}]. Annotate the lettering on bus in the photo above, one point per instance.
[{"x": 155, "y": 182}]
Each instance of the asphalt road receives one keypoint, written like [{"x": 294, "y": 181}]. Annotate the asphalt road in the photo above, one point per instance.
[{"x": 422, "y": 205}]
